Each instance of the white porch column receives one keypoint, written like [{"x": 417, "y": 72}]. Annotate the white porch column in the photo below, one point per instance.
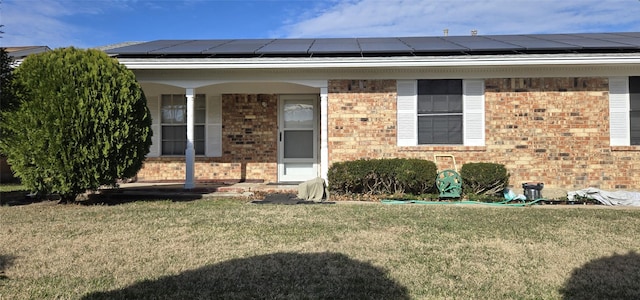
[
  {"x": 324, "y": 133},
  {"x": 190, "y": 152}
]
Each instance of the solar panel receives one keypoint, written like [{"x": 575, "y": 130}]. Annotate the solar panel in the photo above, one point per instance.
[
  {"x": 595, "y": 43},
  {"x": 239, "y": 47},
  {"x": 479, "y": 43},
  {"x": 553, "y": 43},
  {"x": 335, "y": 45},
  {"x": 632, "y": 42},
  {"x": 146, "y": 48},
  {"x": 627, "y": 41},
  {"x": 530, "y": 43},
  {"x": 593, "y": 35},
  {"x": 283, "y": 46},
  {"x": 555, "y": 37},
  {"x": 431, "y": 44},
  {"x": 191, "y": 47},
  {"x": 383, "y": 45},
  {"x": 629, "y": 34}
]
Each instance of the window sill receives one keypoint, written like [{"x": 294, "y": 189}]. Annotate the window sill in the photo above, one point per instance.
[
  {"x": 625, "y": 148},
  {"x": 448, "y": 148},
  {"x": 175, "y": 157}
]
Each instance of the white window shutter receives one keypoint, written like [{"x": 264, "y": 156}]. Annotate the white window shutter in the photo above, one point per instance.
[
  {"x": 154, "y": 108},
  {"x": 213, "y": 131},
  {"x": 407, "y": 114},
  {"x": 619, "y": 111},
  {"x": 473, "y": 108}
]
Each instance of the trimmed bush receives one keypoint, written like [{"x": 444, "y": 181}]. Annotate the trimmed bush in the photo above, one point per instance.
[
  {"x": 484, "y": 178},
  {"x": 382, "y": 176},
  {"x": 82, "y": 123}
]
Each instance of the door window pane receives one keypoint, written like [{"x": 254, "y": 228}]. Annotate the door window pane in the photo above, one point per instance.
[
  {"x": 298, "y": 115},
  {"x": 298, "y": 144}
]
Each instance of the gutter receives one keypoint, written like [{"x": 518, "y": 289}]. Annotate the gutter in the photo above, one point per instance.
[{"x": 378, "y": 62}]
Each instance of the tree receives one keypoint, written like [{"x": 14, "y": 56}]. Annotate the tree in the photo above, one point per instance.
[
  {"x": 7, "y": 97},
  {"x": 82, "y": 123}
]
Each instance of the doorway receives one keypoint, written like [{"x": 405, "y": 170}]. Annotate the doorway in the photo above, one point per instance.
[{"x": 297, "y": 138}]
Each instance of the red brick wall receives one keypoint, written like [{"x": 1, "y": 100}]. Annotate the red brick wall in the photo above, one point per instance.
[
  {"x": 249, "y": 145},
  {"x": 551, "y": 130},
  {"x": 362, "y": 119}
]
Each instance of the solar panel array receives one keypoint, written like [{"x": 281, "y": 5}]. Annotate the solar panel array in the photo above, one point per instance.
[{"x": 393, "y": 46}]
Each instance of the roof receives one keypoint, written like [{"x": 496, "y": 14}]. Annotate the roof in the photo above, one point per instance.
[
  {"x": 24, "y": 51},
  {"x": 118, "y": 45},
  {"x": 623, "y": 42}
]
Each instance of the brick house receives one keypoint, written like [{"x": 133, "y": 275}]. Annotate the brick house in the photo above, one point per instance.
[{"x": 563, "y": 109}]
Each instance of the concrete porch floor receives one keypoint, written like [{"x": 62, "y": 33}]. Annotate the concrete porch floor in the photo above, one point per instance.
[{"x": 220, "y": 190}]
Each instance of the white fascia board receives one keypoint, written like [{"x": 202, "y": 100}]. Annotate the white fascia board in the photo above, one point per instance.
[{"x": 387, "y": 62}]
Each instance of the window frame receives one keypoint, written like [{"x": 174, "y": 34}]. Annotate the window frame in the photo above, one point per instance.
[
  {"x": 199, "y": 140},
  {"x": 431, "y": 93},
  {"x": 473, "y": 114},
  {"x": 634, "y": 98}
]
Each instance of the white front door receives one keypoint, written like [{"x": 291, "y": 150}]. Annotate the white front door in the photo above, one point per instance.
[{"x": 298, "y": 138}]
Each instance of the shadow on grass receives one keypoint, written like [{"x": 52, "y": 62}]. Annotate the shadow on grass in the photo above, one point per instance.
[
  {"x": 22, "y": 198},
  {"x": 125, "y": 197},
  {"x": 15, "y": 198},
  {"x": 272, "y": 276},
  {"x": 5, "y": 262},
  {"x": 175, "y": 193},
  {"x": 614, "y": 277}
]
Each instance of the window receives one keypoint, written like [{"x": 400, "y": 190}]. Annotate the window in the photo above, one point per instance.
[
  {"x": 624, "y": 110},
  {"x": 174, "y": 124},
  {"x": 440, "y": 112},
  {"x": 634, "y": 109}
]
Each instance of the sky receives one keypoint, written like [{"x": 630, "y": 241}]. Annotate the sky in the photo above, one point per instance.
[{"x": 94, "y": 23}]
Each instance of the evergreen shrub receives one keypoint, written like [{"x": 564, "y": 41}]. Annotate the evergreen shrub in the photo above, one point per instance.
[
  {"x": 82, "y": 122},
  {"x": 484, "y": 178},
  {"x": 382, "y": 176}
]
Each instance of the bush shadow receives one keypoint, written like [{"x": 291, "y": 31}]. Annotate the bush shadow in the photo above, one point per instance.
[
  {"x": 272, "y": 276},
  {"x": 18, "y": 198},
  {"x": 161, "y": 192},
  {"x": 129, "y": 197},
  {"x": 116, "y": 196},
  {"x": 613, "y": 277},
  {"x": 5, "y": 262}
]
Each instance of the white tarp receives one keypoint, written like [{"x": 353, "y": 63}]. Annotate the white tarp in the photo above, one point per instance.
[
  {"x": 606, "y": 197},
  {"x": 314, "y": 190}
]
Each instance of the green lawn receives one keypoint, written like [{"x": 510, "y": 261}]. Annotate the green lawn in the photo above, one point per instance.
[{"x": 224, "y": 249}]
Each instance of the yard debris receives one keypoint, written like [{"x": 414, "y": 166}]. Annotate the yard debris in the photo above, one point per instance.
[{"x": 623, "y": 198}]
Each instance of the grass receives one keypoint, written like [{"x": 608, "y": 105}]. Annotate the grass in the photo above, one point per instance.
[
  {"x": 11, "y": 187},
  {"x": 224, "y": 249}
]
